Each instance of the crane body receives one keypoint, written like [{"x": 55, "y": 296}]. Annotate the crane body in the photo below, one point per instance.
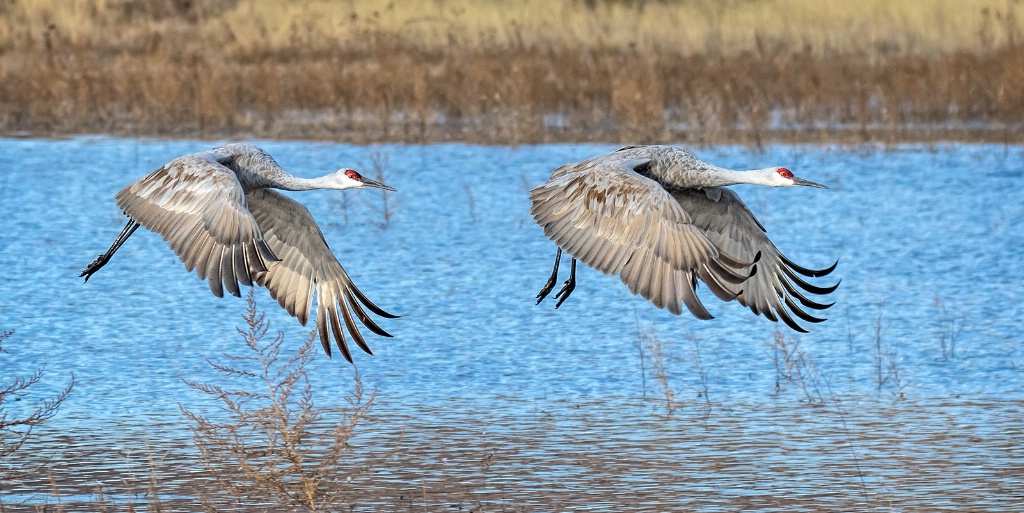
[
  {"x": 662, "y": 220},
  {"x": 216, "y": 210}
]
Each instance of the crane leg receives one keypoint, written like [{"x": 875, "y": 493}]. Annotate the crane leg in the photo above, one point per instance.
[
  {"x": 102, "y": 260},
  {"x": 551, "y": 280},
  {"x": 568, "y": 286}
]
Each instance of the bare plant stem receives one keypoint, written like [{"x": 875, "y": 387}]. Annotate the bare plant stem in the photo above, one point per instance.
[
  {"x": 702, "y": 373},
  {"x": 653, "y": 345},
  {"x": 15, "y": 431},
  {"x": 638, "y": 343},
  {"x": 470, "y": 202},
  {"x": 275, "y": 443},
  {"x": 379, "y": 161}
]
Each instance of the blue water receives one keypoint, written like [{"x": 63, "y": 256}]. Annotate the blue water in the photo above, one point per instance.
[{"x": 928, "y": 238}]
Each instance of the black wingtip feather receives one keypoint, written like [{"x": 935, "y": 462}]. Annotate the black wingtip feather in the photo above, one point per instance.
[
  {"x": 800, "y": 313},
  {"x": 804, "y": 300},
  {"x": 814, "y": 289},
  {"x": 789, "y": 321},
  {"x": 339, "y": 335},
  {"x": 321, "y": 327},
  {"x": 812, "y": 273},
  {"x": 363, "y": 318},
  {"x": 366, "y": 301},
  {"x": 352, "y": 328}
]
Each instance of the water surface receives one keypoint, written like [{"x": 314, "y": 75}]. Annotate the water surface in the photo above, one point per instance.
[{"x": 919, "y": 370}]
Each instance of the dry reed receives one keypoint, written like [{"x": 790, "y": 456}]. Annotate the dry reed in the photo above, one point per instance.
[{"x": 497, "y": 72}]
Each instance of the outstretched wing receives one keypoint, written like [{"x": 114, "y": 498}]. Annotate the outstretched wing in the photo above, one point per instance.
[
  {"x": 307, "y": 264},
  {"x": 619, "y": 222},
  {"x": 776, "y": 281},
  {"x": 197, "y": 206}
]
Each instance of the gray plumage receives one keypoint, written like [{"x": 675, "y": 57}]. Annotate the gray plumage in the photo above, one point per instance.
[
  {"x": 662, "y": 219},
  {"x": 216, "y": 211}
]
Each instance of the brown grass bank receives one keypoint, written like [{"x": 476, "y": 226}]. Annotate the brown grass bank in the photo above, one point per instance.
[{"x": 514, "y": 72}]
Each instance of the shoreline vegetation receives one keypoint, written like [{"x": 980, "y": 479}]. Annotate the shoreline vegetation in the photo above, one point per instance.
[{"x": 497, "y": 72}]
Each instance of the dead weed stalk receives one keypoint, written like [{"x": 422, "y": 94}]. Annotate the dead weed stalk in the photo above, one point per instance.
[
  {"x": 654, "y": 348},
  {"x": 379, "y": 162},
  {"x": 949, "y": 330},
  {"x": 276, "y": 446},
  {"x": 794, "y": 365},
  {"x": 15, "y": 430},
  {"x": 702, "y": 373},
  {"x": 887, "y": 370}
]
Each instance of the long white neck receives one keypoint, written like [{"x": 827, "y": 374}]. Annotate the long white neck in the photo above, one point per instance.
[
  {"x": 296, "y": 183},
  {"x": 717, "y": 176},
  {"x": 256, "y": 169}
]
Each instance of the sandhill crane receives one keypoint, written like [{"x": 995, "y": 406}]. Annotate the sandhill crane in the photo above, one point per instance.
[
  {"x": 661, "y": 219},
  {"x": 216, "y": 211}
]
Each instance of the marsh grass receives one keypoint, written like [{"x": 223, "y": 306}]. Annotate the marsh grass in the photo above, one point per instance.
[
  {"x": 498, "y": 72},
  {"x": 275, "y": 446},
  {"x": 657, "y": 351},
  {"x": 795, "y": 366},
  {"x": 703, "y": 389},
  {"x": 16, "y": 426},
  {"x": 388, "y": 204},
  {"x": 949, "y": 330},
  {"x": 887, "y": 369},
  {"x": 470, "y": 203}
]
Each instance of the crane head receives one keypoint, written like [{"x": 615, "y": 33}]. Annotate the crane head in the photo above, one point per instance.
[
  {"x": 350, "y": 179},
  {"x": 782, "y": 177}
]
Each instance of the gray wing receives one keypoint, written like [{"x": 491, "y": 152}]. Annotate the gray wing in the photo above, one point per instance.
[
  {"x": 616, "y": 221},
  {"x": 198, "y": 207},
  {"x": 776, "y": 281},
  {"x": 307, "y": 264}
]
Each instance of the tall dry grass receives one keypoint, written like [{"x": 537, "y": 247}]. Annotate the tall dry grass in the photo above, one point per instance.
[{"x": 510, "y": 72}]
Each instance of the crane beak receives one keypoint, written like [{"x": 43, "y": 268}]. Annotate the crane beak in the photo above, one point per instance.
[
  {"x": 801, "y": 181},
  {"x": 373, "y": 183}
]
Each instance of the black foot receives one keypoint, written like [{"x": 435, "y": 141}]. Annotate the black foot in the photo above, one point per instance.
[
  {"x": 567, "y": 287},
  {"x": 102, "y": 260},
  {"x": 95, "y": 266},
  {"x": 551, "y": 280}
]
